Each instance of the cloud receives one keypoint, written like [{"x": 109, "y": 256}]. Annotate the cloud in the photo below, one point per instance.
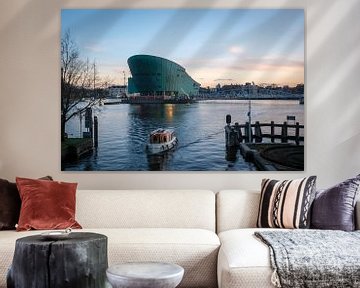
[
  {"x": 269, "y": 69},
  {"x": 267, "y": 63},
  {"x": 245, "y": 63},
  {"x": 224, "y": 79},
  {"x": 236, "y": 49},
  {"x": 95, "y": 48}
]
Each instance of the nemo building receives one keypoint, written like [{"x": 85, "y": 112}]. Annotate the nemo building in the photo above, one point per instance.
[{"x": 156, "y": 78}]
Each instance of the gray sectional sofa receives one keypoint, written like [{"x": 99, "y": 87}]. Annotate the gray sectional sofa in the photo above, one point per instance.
[{"x": 209, "y": 234}]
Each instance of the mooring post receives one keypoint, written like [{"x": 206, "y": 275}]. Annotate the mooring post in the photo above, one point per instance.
[
  {"x": 96, "y": 134},
  {"x": 227, "y": 130},
  {"x": 258, "y": 134},
  {"x": 88, "y": 124},
  {"x": 272, "y": 131},
  {"x": 228, "y": 119},
  {"x": 248, "y": 132},
  {"x": 284, "y": 133},
  {"x": 297, "y": 133},
  {"x": 238, "y": 133}
]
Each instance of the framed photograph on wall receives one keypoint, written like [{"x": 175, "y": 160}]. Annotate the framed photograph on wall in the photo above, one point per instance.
[{"x": 182, "y": 90}]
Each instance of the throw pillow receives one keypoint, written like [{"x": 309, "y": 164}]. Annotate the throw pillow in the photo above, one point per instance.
[
  {"x": 46, "y": 204},
  {"x": 286, "y": 204},
  {"x": 10, "y": 204},
  {"x": 334, "y": 208}
]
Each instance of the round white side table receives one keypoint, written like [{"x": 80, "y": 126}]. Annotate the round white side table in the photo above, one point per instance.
[{"x": 145, "y": 275}]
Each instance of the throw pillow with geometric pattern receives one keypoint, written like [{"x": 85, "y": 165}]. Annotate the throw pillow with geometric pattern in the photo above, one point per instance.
[{"x": 286, "y": 204}]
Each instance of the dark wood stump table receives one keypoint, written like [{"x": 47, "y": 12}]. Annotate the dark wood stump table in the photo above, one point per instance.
[{"x": 80, "y": 261}]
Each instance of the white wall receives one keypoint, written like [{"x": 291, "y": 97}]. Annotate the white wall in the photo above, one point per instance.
[{"x": 30, "y": 95}]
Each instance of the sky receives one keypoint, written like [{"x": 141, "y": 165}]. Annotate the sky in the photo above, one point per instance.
[{"x": 226, "y": 46}]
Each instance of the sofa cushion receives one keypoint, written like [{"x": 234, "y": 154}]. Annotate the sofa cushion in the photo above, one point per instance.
[
  {"x": 10, "y": 204},
  {"x": 334, "y": 208},
  {"x": 46, "y": 204},
  {"x": 244, "y": 260},
  {"x": 196, "y": 250},
  {"x": 236, "y": 209},
  {"x": 153, "y": 209},
  {"x": 286, "y": 204}
]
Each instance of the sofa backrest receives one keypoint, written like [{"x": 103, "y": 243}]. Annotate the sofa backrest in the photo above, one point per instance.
[
  {"x": 239, "y": 209},
  {"x": 146, "y": 209},
  {"x": 236, "y": 209}
]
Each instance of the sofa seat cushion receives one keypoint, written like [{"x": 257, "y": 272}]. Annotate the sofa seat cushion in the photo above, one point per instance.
[
  {"x": 196, "y": 250},
  {"x": 244, "y": 261}
]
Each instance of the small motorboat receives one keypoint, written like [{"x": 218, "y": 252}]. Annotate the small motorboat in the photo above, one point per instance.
[{"x": 161, "y": 140}]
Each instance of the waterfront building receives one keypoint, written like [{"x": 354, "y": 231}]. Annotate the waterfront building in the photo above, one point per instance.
[
  {"x": 117, "y": 91},
  {"x": 159, "y": 77}
]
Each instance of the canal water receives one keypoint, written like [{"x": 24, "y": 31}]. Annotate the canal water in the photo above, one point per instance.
[{"x": 199, "y": 127}]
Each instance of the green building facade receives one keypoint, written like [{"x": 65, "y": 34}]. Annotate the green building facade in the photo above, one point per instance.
[{"x": 156, "y": 76}]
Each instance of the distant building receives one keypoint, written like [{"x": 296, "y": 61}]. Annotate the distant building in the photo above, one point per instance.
[
  {"x": 117, "y": 91},
  {"x": 156, "y": 76}
]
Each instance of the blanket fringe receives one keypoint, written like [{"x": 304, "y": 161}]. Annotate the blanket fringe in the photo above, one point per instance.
[{"x": 275, "y": 280}]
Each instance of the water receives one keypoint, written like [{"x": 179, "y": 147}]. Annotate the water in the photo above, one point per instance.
[{"x": 199, "y": 127}]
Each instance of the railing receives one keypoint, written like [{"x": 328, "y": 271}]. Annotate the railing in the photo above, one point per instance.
[{"x": 238, "y": 133}]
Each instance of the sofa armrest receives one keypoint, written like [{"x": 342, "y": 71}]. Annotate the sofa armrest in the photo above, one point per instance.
[{"x": 357, "y": 215}]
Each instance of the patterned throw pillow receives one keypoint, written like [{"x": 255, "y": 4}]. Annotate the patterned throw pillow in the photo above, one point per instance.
[{"x": 286, "y": 204}]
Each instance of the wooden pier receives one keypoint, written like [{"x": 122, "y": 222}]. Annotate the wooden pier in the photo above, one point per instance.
[
  {"x": 270, "y": 146},
  {"x": 74, "y": 148}
]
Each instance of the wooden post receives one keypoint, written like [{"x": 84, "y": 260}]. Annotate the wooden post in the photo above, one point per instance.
[
  {"x": 230, "y": 136},
  {"x": 238, "y": 133},
  {"x": 284, "y": 133},
  {"x": 88, "y": 123},
  {"x": 272, "y": 132},
  {"x": 228, "y": 119},
  {"x": 96, "y": 134},
  {"x": 248, "y": 132},
  {"x": 231, "y": 153},
  {"x": 228, "y": 132},
  {"x": 258, "y": 134},
  {"x": 297, "y": 133}
]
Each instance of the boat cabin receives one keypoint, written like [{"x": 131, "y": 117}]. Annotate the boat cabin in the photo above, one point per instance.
[{"x": 160, "y": 136}]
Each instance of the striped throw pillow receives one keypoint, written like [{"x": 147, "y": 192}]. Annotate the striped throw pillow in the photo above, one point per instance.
[{"x": 286, "y": 204}]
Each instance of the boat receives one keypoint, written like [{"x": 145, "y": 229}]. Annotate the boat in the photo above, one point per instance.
[
  {"x": 113, "y": 101},
  {"x": 161, "y": 140}
]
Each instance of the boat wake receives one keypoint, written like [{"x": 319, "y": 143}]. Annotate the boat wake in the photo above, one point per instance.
[{"x": 199, "y": 140}]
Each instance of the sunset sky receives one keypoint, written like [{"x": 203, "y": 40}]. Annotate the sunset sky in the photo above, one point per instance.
[{"x": 213, "y": 45}]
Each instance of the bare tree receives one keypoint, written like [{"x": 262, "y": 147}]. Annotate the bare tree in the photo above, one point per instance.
[{"x": 79, "y": 82}]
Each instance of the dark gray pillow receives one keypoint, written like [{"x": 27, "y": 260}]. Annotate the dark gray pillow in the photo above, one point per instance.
[
  {"x": 334, "y": 208},
  {"x": 9, "y": 205}
]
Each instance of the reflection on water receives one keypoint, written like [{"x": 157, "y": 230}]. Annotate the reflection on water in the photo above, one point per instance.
[
  {"x": 158, "y": 162},
  {"x": 199, "y": 127}
]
